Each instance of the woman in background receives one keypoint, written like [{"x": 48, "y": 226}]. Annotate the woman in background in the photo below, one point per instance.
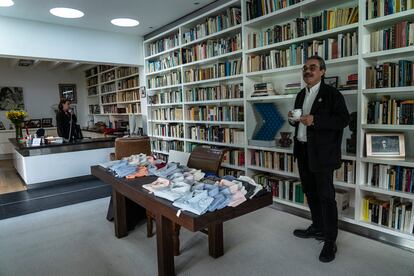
[{"x": 65, "y": 120}]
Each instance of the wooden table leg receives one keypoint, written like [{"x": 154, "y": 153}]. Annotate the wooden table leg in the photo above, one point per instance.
[
  {"x": 176, "y": 239},
  {"x": 120, "y": 214},
  {"x": 215, "y": 240},
  {"x": 165, "y": 252}
]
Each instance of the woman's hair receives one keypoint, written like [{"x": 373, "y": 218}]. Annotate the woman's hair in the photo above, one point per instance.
[{"x": 61, "y": 103}]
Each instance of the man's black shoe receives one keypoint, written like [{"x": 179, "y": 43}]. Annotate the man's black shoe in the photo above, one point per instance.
[
  {"x": 311, "y": 232},
  {"x": 328, "y": 252}
]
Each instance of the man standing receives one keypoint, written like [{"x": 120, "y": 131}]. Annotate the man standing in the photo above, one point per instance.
[{"x": 317, "y": 148}]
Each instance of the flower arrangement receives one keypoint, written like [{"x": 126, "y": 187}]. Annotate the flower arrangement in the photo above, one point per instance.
[{"x": 17, "y": 118}]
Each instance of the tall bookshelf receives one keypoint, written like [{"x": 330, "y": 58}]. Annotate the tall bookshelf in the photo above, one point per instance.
[
  {"x": 348, "y": 31},
  {"x": 113, "y": 92}
]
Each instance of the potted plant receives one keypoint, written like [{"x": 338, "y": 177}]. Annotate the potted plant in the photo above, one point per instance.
[{"x": 17, "y": 118}]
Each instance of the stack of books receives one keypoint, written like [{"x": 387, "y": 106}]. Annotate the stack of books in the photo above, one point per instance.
[
  {"x": 351, "y": 83},
  {"x": 292, "y": 88},
  {"x": 263, "y": 89}
]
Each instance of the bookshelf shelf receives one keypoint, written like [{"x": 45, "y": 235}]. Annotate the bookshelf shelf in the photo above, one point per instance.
[
  {"x": 167, "y": 138},
  {"x": 128, "y": 89},
  {"x": 349, "y": 92},
  {"x": 164, "y": 87},
  {"x": 165, "y": 104},
  {"x": 344, "y": 184},
  {"x": 234, "y": 167},
  {"x": 213, "y": 59},
  {"x": 106, "y": 82},
  {"x": 406, "y": 162},
  {"x": 387, "y": 192},
  {"x": 213, "y": 80},
  {"x": 387, "y": 230},
  {"x": 272, "y": 149},
  {"x": 389, "y": 90},
  {"x": 110, "y": 92},
  {"x": 390, "y": 54},
  {"x": 129, "y": 76},
  {"x": 272, "y": 98},
  {"x": 274, "y": 71},
  {"x": 319, "y": 35},
  {"x": 282, "y": 173},
  {"x": 214, "y": 102},
  {"x": 166, "y": 121},
  {"x": 387, "y": 127},
  {"x": 215, "y": 123},
  {"x": 388, "y": 19},
  {"x": 215, "y": 143}
]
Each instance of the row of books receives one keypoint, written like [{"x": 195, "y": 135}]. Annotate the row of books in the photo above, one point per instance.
[
  {"x": 110, "y": 87},
  {"x": 390, "y": 112},
  {"x": 103, "y": 68},
  {"x": 216, "y": 113},
  {"x": 163, "y": 44},
  {"x": 390, "y": 74},
  {"x": 234, "y": 157},
  {"x": 167, "y": 97},
  {"x": 278, "y": 161},
  {"x": 378, "y": 8},
  {"x": 127, "y": 96},
  {"x": 257, "y": 8},
  {"x": 108, "y": 76},
  {"x": 212, "y": 48},
  {"x": 284, "y": 188},
  {"x": 213, "y": 24},
  {"x": 109, "y": 98},
  {"x": 219, "y": 92},
  {"x": 166, "y": 146},
  {"x": 346, "y": 173},
  {"x": 160, "y": 156},
  {"x": 172, "y": 78},
  {"x": 232, "y": 172},
  {"x": 128, "y": 83},
  {"x": 217, "y": 134},
  {"x": 167, "y": 114},
  {"x": 134, "y": 108},
  {"x": 126, "y": 71},
  {"x": 393, "y": 213},
  {"x": 110, "y": 109},
  {"x": 91, "y": 72},
  {"x": 92, "y": 91},
  {"x": 170, "y": 130},
  {"x": 297, "y": 28},
  {"x": 398, "y": 36},
  {"x": 393, "y": 178},
  {"x": 94, "y": 109},
  {"x": 171, "y": 60},
  {"x": 222, "y": 69},
  {"x": 92, "y": 81}
]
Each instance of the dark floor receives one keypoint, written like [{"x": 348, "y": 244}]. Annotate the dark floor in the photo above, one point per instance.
[{"x": 53, "y": 196}]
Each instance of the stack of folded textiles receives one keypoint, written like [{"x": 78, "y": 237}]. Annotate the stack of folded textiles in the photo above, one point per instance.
[{"x": 189, "y": 189}]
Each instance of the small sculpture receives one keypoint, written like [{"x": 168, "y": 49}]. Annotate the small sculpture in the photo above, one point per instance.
[{"x": 285, "y": 141}]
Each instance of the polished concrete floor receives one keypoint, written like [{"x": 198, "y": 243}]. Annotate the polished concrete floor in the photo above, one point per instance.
[
  {"x": 9, "y": 179},
  {"x": 78, "y": 240}
]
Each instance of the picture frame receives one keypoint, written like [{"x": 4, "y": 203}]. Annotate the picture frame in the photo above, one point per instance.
[
  {"x": 2, "y": 126},
  {"x": 34, "y": 123},
  {"x": 68, "y": 91},
  {"x": 47, "y": 122},
  {"x": 385, "y": 145},
  {"x": 332, "y": 81}
]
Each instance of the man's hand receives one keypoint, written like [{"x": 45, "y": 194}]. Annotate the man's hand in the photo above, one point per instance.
[{"x": 307, "y": 120}]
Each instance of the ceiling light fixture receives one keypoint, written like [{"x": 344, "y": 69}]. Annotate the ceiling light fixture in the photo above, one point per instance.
[
  {"x": 125, "y": 22},
  {"x": 6, "y": 3},
  {"x": 66, "y": 12}
]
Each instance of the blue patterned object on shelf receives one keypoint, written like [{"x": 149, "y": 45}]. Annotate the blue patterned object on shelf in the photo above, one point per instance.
[{"x": 272, "y": 121}]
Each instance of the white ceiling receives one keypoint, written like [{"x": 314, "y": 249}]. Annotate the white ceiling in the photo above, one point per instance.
[{"x": 98, "y": 13}]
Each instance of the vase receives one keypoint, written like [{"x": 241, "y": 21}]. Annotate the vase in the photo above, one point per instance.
[
  {"x": 19, "y": 130},
  {"x": 285, "y": 140}
]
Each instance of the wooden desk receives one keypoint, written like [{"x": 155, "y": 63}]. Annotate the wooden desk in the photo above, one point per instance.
[{"x": 165, "y": 214}]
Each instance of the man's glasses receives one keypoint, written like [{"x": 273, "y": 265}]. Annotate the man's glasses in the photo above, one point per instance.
[{"x": 312, "y": 68}]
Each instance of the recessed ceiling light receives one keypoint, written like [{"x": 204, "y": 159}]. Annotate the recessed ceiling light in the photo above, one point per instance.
[
  {"x": 125, "y": 22},
  {"x": 66, "y": 13},
  {"x": 6, "y": 3}
]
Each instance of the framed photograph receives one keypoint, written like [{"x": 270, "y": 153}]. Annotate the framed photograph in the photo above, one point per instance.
[
  {"x": 385, "y": 145},
  {"x": 11, "y": 98},
  {"x": 47, "y": 122},
  {"x": 67, "y": 91},
  {"x": 2, "y": 126},
  {"x": 34, "y": 123},
  {"x": 332, "y": 81}
]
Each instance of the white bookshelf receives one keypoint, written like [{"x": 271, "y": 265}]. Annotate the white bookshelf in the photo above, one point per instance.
[{"x": 356, "y": 99}]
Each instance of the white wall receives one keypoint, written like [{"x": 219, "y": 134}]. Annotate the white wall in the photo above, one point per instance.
[
  {"x": 40, "y": 88},
  {"x": 24, "y": 38}
]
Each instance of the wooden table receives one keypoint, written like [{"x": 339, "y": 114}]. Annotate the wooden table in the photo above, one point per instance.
[{"x": 165, "y": 214}]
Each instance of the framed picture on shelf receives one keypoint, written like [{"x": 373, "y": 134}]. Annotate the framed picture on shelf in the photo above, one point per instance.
[
  {"x": 67, "y": 91},
  {"x": 332, "y": 81},
  {"x": 34, "y": 123},
  {"x": 385, "y": 145},
  {"x": 47, "y": 122}
]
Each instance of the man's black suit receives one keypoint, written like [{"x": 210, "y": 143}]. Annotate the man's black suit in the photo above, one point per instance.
[{"x": 321, "y": 155}]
